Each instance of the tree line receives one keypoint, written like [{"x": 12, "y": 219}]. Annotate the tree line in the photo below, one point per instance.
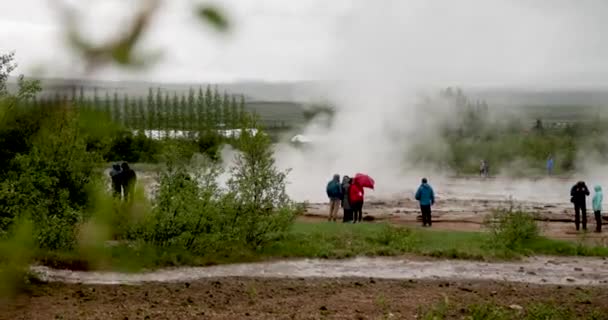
[{"x": 195, "y": 110}]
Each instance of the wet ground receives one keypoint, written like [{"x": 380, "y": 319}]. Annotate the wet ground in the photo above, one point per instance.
[
  {"x": 534, "y": 270},
  {"x": 401, "y": 288},
  {"x": 295, "y": 298},
  {"x": 463, "y": 205}
]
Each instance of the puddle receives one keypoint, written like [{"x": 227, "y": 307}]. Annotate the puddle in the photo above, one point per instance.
[{"x": 537, "y": 270}]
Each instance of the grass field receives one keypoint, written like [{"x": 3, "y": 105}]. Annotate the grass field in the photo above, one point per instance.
[{"x": 327, "y": 241}]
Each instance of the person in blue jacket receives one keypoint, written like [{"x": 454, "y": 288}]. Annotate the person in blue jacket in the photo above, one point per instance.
[
  {"x": 550, "y": 165},
  {"x": 334, "y": 193},
  {"x": 426, "y": 196}
]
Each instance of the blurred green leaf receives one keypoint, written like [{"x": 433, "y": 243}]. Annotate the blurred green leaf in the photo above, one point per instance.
[{"x": 213, "y": 16}]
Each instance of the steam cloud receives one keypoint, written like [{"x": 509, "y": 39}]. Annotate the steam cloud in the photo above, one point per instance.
[{"x": 388, "y": 53}]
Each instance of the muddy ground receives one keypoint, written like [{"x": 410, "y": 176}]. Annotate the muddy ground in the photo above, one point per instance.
[
  {"x": 256, "y": 298},
  {"x": 463, "y": 205}
]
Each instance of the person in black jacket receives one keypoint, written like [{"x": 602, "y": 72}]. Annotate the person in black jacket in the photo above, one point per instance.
[
  {"x": 348, "y": 210},
  {"x": 115, "y": 175},
  {"x": 128, "y": 179},
  {"x": 579, "y": 193}
]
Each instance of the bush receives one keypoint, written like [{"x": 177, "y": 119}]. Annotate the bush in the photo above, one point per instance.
[
  {"x": 263, "y": 211},
  {"x": 209, "y": 144},
  {"x": 133, "y": 148},
  {"x": 511, "y": 229},
  {"x": 48, "y": 184},
  {"x": 186, "y": 211}
]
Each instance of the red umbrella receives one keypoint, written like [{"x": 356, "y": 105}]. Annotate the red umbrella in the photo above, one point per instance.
[{"x": 364, "y": 180}]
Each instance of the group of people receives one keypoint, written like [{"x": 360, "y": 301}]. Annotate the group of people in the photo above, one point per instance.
[
  {"x": 578, "y": 196},
  {"x": 123, "y": 181},
  {"x": 349, "y": 195}
]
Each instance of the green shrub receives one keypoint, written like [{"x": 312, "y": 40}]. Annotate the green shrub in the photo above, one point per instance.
[
  {"x": 488, "y": 312},
  {"x": 544, "y": 311},
  {"x": 209, "y": 144},
  {"x": 186, "y": 208},
  {"x": 133, "y": 148},
  {"x": 262, "y": 209},
  {"x": 511, "y": 229},
  {"x": 50, "y": 183}
]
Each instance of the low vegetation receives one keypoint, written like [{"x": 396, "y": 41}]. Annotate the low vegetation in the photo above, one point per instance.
[
  {"x": 323, "y": 241},
  {"x": 486, "y": 311}
]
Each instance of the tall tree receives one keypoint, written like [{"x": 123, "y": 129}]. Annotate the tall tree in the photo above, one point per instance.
[
  {"x": 167, "y": 111},
  {"x": 209, "y": 124},
  {"x": 200, "y": 109},
  {"x": 115, "y": 106},
  {"x": 242, "y": 115},
  {"x": 96, "y": 104},
  {"x": 226, "y": 110},
  {"x": 175, "y": 111},
  {"x": 107, "y": 105},
  {"x": 183, "y": 106},
  {"x": 159, "y": 109},
  {"x": 234, "y": 114},
  {"x": 191, "y": 123},
  {"x": 217, "y": 108},
  {"x": 150, "y": 110},
  {"x": 81, "y": 97},
  {"x": 141, "y": 111},
  {"x": 73, "y": 97},
  {"x": 133, "y": 114},
  {"x": 126, "y": 104}
]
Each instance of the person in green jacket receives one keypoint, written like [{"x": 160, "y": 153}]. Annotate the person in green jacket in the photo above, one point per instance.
[{"x": 598, "y": 197}]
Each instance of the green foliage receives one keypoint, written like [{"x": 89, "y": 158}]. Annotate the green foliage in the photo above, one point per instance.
[
  {"x": 209, "y": 144},
  {"x": 488, "y": 312},
  {"x": 126, "y": 146},
  {"x": 214, "y": 17},
  {"x": 257, "y": 187},
  {"x": 49, "y": 181},
  {"x": 512, "y": 229},
  {"x": 186, "y": 209}
]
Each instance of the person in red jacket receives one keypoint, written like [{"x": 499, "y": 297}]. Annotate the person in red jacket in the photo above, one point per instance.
[{"x": 356, "y": 201}]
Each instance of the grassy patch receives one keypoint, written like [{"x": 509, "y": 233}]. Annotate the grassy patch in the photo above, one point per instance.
[
  {"x": 484, "y": 311},
  {"x": 325, "y": 241}
]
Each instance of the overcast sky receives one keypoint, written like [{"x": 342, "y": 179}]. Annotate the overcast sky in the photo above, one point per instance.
[{"x": 553, "y": 40}]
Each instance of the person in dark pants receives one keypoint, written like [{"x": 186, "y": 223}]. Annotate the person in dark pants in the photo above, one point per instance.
[
  {"x": 598, "y": 198},
  {"x": 355, "y": 199},
  {"x": 426, "y": 196},
  {"x": 128, "y": 179},
  {"x": 579, "y": 193},
  {"x": 116, "y": 182},
  {"x": 348, "y": 211}
]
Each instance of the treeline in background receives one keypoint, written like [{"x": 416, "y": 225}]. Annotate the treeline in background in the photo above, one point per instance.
[{"x": 197, "y": 110}]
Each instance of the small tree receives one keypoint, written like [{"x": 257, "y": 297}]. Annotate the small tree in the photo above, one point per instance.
[
  {"x": 150, "y": 114},
  {"x": 263, "y": 210},
  {"x": 226, "y": 112},
  {"x": 183, "y": 113},
  {"x": 217, "y": 108},
  {"x": 209, "y": 116},
  {"x": 175, "y": 111},
  {"x": 200, "y": 109},
  {"x": 7, "y": 65},
  {"x": 115, "y": 107},
  {"x": 191, "y": 121}
]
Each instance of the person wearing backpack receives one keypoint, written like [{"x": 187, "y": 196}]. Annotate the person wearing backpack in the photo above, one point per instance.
[
  {"x": 334, "y": 193},
  {"x": 598, "y": 197}
]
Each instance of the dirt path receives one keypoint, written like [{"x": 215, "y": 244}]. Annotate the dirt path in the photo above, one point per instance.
[
  {"x": 536, "y": 270},
  {"x": 300, "y": 298}
]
